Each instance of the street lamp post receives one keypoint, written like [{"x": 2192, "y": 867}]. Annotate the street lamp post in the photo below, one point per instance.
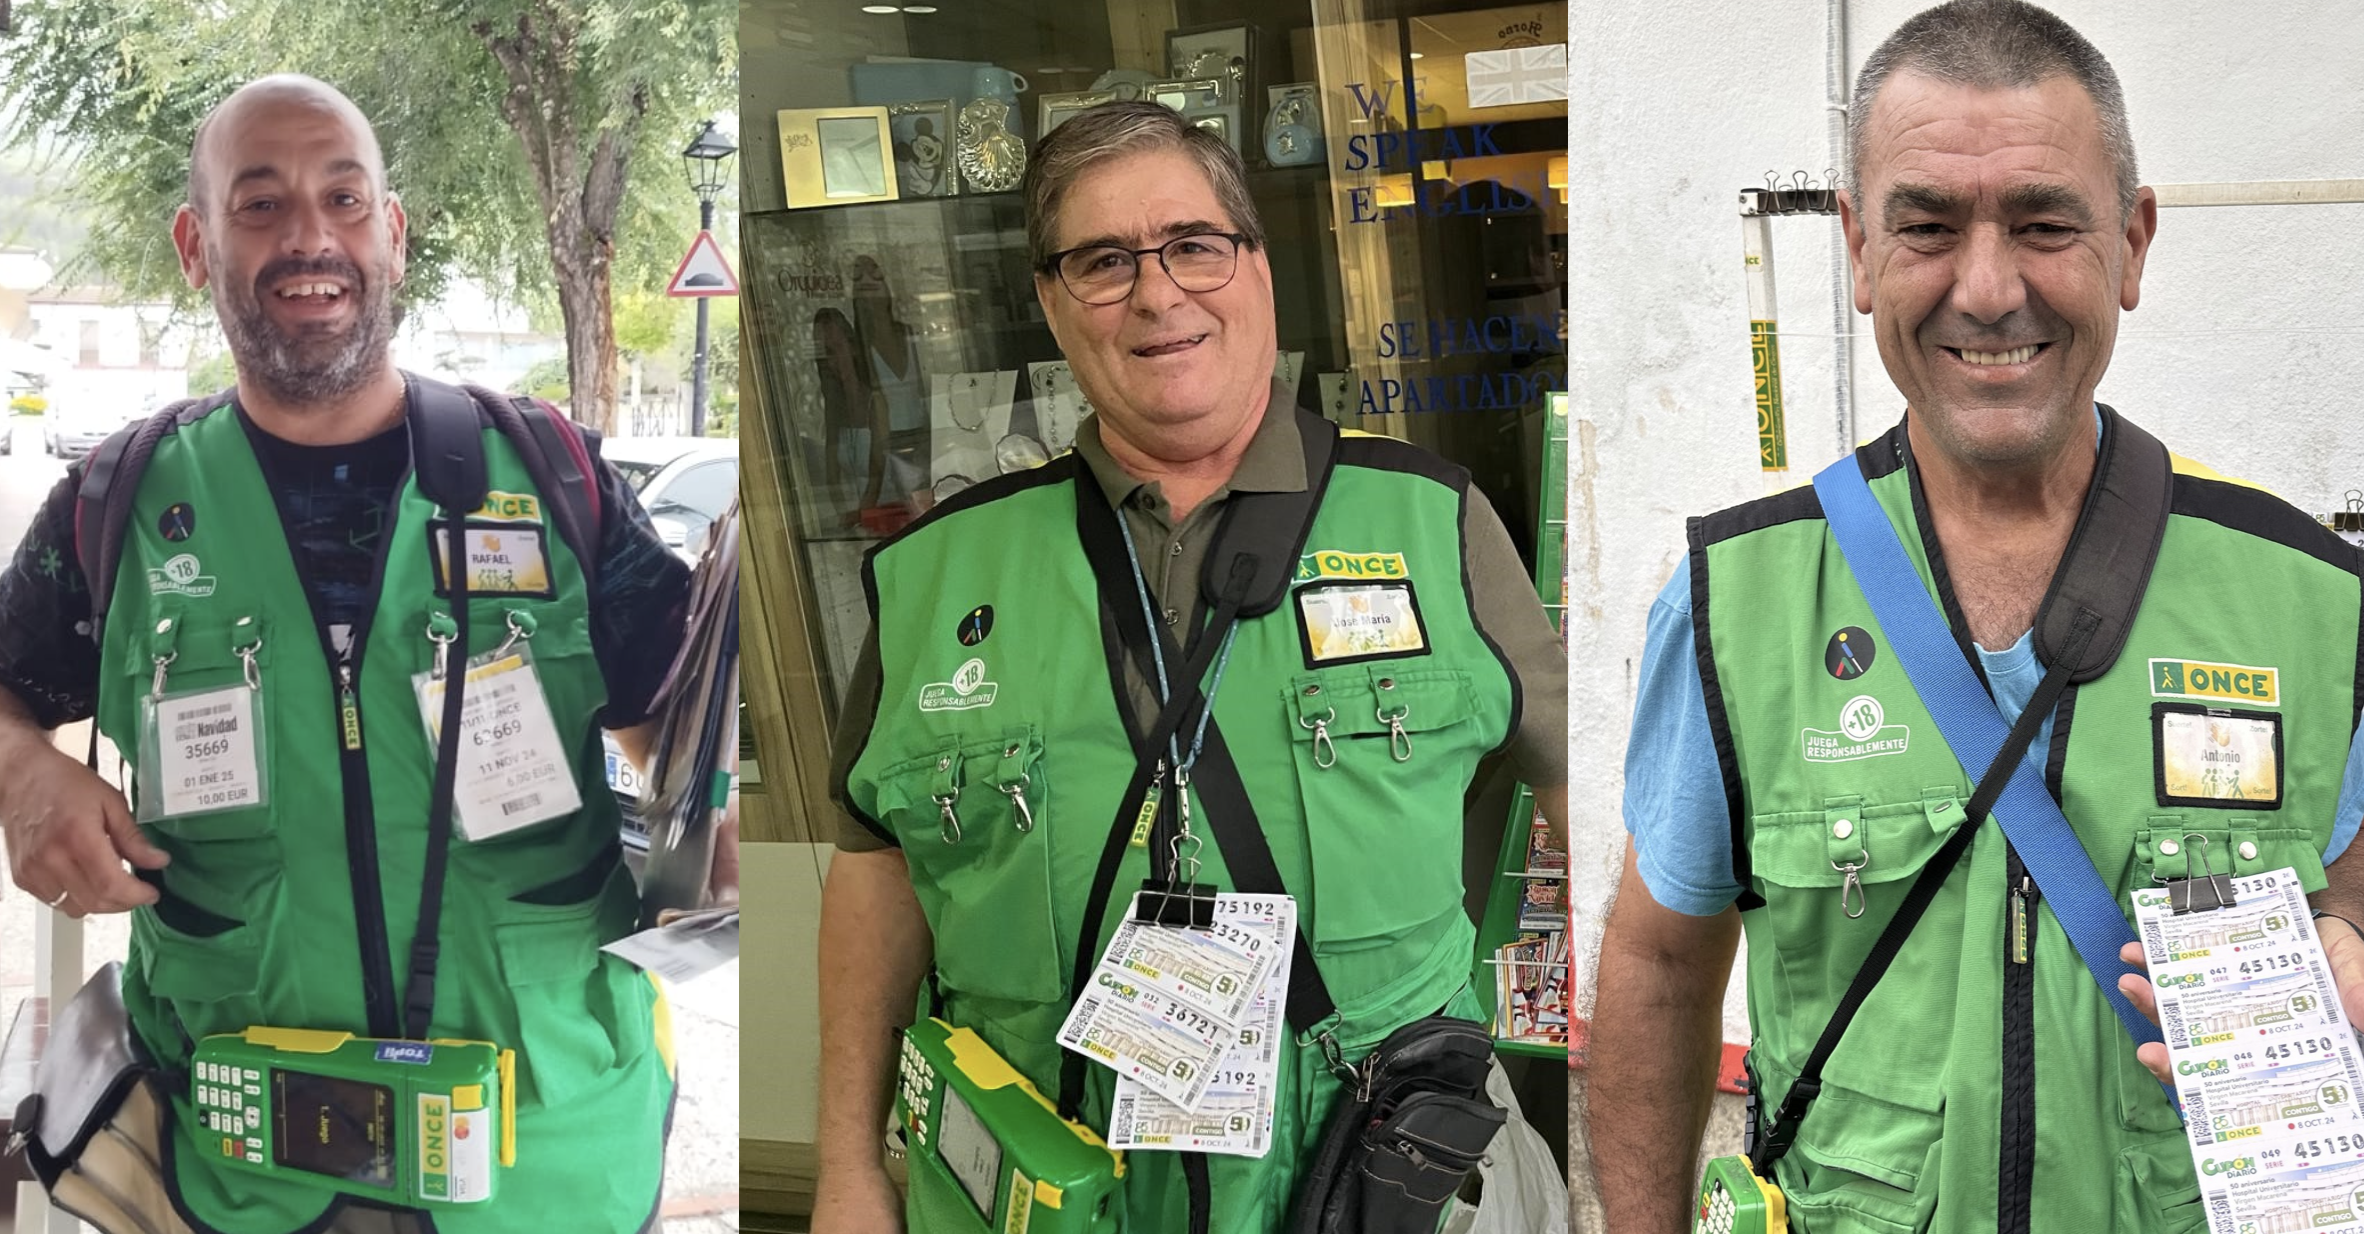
[{"x": 706, "y": 161}]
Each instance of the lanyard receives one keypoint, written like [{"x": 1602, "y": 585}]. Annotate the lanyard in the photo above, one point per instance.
[{"x": 1198, "y": 737}]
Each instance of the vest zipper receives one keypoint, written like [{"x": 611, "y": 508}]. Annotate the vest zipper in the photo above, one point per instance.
[{"x": 2016, "y": 1173}]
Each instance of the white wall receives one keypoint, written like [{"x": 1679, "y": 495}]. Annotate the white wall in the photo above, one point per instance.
[{"x": 2245, "y": 353}]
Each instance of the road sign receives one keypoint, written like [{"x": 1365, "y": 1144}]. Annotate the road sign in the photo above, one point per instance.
[{"x": 703, "y": 272}]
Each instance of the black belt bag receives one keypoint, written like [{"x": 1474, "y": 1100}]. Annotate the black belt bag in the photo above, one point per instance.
[{"x": 1407, "y": 1131}]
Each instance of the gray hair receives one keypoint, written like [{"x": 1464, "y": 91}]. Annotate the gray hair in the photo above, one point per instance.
[
  {"x": 1994, "y": 44},
  {"x": 1113, "y": 130}
]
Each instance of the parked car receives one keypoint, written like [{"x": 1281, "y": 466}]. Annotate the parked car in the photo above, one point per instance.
[{"x": 71, "y": 432}]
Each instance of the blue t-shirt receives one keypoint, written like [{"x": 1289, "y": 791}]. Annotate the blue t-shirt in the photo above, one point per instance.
[{"x": 1674, "y": 788}]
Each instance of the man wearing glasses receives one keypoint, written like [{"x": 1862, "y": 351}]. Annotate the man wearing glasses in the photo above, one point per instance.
[{"x": 1038, "y": 636}]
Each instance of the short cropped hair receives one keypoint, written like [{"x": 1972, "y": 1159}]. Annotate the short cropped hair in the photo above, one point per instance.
[
  {"x": 1114, "y": 130},
  {"x": 1994, "y": 44}
]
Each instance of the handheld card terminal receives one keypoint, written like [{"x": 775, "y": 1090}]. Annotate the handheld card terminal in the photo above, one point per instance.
[
  {"x": 1733, "y": 1200},
  {"x": 409, "y": 1122},
  {"x": 988, "y": 1155}
]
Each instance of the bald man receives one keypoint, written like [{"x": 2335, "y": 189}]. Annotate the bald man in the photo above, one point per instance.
[{"x": 268, "y": 640}]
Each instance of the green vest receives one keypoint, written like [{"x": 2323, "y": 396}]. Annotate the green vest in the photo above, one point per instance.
[
  {"x": 300, "y": 913},
  {"x": 1370, "y": 847},
  {"x": 1984, "y": 1086}
]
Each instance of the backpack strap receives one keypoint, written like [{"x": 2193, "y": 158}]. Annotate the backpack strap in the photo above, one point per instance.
[
  {"x": 559, "y": 455},
  {"x": 102, "y": 502}
]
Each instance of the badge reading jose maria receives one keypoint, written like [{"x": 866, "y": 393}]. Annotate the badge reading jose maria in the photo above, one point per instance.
[{"x": 1342, "y": 623}]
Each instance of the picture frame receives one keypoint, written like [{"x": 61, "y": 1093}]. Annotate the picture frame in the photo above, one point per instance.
[
  {"x": 924, "y": 148},
  {"x": 1224, "y": 52},
  {"x": 1056, "y": 109},
  {"x": 1186, "y": 94},
  {"x": 837, "y": 156},
  {"x": 1222, "y": 120}
]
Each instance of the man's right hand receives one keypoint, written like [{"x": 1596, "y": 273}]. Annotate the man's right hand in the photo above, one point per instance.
[
  {"x": 857, "y": 1202},
  {"x": 70, "y": 832}
]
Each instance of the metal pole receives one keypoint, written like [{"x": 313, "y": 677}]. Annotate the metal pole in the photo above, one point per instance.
[{"x": 697, "y": 411}]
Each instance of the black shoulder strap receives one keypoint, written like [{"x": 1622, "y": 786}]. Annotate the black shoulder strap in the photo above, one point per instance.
[
  {"x": 102, "y": 503},
  {"x": 1254, "y": 556},
  {"x": 447, "y": 447},
  {"x": 2109, "y": 558},
  {"x": 558, "y": 455}
]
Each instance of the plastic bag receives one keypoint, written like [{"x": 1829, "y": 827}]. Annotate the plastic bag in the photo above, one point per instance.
[{"x": 1525, "y": 1191}]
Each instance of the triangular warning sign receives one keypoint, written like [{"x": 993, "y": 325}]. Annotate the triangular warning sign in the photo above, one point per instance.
[{"x": 703, "y": 272}]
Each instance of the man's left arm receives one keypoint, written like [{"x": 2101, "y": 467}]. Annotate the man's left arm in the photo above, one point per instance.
[{"x": 1502, "y": 595}]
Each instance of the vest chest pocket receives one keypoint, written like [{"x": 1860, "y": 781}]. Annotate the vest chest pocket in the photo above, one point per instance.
[
  {"x": 1373, "y": 746},
  {"x": 973, "y": 819},
  {"x": 1832, "y": 878}
]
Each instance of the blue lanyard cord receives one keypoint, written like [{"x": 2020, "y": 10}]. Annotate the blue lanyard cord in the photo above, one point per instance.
[{"x": 1157, "y": 657}]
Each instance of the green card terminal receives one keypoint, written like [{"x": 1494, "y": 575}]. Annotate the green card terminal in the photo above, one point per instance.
[
  {"x": 1734, "y": 1200},
  {"x": 416, "y": 1123},
  {"x": 988, "y": 1155}
]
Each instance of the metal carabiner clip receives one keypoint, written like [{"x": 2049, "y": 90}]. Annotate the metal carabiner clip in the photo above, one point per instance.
[
  {"x": 1017, "y": 794},
  {"x": 246, "y": 655},
  {"x": 948, "y": 827},
  {"x": 163, "y": 662},
  {"x": 1399, "y": 742},
  {"x": 1321, "y": 738},
  {"x": 521, "y": 625},
  {"x": 1854, "y": 884},
  {"x": 443, "y": 632}
]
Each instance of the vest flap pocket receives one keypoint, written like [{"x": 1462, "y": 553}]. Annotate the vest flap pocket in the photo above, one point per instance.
[
  {"x": 569, "y": 1029},
  {"x": 1812, "y": 848},
  {"x": 2179, "y": 845},
  {"x": 182, "y": 967},
  {"x": 1375, "y": 701},
  {"x": 969, "y": 818},
  {"x": 1858, "y": 1160}
]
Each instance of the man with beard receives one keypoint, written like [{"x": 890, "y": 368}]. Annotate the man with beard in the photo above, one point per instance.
[{"x": 282, "y": 555}]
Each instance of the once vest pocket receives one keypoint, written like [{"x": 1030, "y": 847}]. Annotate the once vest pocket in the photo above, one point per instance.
[
  {"x": 210, "y": 983},
  {"x": 981, "y": 864},
  {"x": 568, "y": 1035},
  {"x": 1368, "y": 742},
  {"x": 1859, "y": 1163}
]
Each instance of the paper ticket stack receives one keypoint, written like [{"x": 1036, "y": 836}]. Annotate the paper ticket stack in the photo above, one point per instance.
[{"x": 2266, "y": 1065}]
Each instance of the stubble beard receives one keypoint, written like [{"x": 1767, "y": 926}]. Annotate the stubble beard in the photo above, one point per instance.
[{"x": 308, "y": 366}]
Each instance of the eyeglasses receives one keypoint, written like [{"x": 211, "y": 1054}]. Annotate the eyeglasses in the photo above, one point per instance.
[{"x": 1106, "y": 273}]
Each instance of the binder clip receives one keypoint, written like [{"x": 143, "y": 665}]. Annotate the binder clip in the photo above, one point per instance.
[
  {"x": 1178, "y": 904},
  {"x": 2200, "y": 893}
]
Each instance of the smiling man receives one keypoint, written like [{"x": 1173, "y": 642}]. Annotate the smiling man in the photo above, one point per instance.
[
  {"x": 1000, "y": 764},
  {"x": 1785, "y": 778},
  {"x": 251, "y": 593}
]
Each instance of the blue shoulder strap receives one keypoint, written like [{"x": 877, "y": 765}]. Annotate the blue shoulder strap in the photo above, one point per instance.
[{"x": 1974, "y": 730}]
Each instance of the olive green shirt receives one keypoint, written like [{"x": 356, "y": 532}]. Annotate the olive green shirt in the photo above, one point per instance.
[{"x": 1502, "y": 596}]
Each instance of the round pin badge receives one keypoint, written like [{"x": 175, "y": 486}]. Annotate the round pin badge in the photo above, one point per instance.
[
  {"x": 178, "y": 522},
  {"x": 975, "y": 626},
  {"x": 1850, "y": 654}
]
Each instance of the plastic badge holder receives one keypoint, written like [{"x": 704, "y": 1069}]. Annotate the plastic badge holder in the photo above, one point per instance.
[
  {"x": 426, "y": 1123},
  {"x": 988, "y": 1155},
  {"x": 1733, "y": 1200}
]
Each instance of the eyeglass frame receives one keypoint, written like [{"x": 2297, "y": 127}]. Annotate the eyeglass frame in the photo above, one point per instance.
[{"x": 1050, "y": 265}]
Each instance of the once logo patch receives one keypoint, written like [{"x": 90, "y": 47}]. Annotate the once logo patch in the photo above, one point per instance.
[
  {"x": 1849, "y": 654},
  {"x": 2236, "y": 683},
  {"x": 968, "y": 688},
  {"x": 178, "y": 522},
  {"x": 1863, "y": 732},
  {"x": 1333, "y": 563},
  {"x": 974, "y": 627}
]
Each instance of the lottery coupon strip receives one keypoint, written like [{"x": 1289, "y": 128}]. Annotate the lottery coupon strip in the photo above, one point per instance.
[
  {"x": 2266, "y": 1065},
  {"x": 1191, "y": 1021}
]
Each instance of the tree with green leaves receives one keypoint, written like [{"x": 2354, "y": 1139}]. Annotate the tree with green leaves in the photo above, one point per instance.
[{"x": 534, "y": 143}]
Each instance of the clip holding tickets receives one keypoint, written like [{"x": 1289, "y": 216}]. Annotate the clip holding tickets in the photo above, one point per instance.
[
  {"x": 2218, "y": 887},
  {"x": 1176, "y": 904}
]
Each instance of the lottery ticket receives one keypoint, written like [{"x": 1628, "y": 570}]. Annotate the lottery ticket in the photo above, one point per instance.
[
  {"x": 2313, "y": 1183},
  {"x": 1145, "y": 1036},
  {"x": 2266, "y": 1066},
  {"x": 2316, "y": 1090},
  {"x": 1217, "y": 970},
  {"x": 1235, "y": 1116}
]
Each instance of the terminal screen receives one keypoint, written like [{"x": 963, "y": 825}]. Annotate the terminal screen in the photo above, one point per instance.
[{"x": 334, "y": 1126}]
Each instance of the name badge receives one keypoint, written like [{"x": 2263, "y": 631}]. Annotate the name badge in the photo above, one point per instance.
[
  {"x": 513, "y": 771},
  {"x": 1343, "y": 623},
  {"x": 201, "y": 753},
  {"x": 503, "y": 559},
  {"x": 2229, "y": 760}
]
